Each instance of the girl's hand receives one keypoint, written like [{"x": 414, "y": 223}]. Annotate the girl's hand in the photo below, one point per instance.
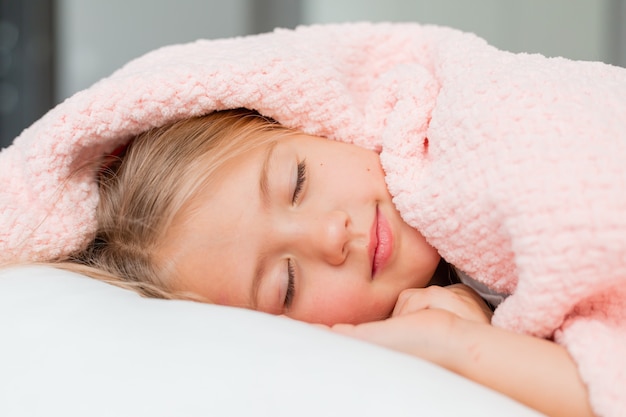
[
  {"x": 491, "y": 356},
  {"x": 427, "y": 322},
  {"x": 430, "y": 334},
  {"x": 458, "y": 299},
  {"x": 450, "y": 327}
]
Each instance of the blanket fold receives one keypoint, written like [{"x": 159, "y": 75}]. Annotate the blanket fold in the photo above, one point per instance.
[{"x": 511, "y": 165}]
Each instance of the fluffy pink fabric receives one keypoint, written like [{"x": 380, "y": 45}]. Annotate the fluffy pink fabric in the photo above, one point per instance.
[{"x": 513, "y": 166}]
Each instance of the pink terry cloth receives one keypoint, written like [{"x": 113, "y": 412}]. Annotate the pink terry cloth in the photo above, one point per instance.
[{"x": 512, "y": 165}]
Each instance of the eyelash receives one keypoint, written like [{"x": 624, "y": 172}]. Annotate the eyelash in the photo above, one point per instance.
[
  {"x": 300, "y": 180},
  {"x": 291, "y": 288},
  {"x": 291, "y": 273}
]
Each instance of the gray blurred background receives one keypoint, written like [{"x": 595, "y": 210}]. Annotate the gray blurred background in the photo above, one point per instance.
[{"x": 50, "y": 49}]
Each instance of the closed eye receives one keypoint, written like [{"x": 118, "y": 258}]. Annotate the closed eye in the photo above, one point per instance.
[
  {"x": 300, "y": 180},
  {"x": 291, "y": 287}
]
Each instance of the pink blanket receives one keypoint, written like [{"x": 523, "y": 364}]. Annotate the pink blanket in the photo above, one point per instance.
[{"x": 512, "y": 165}]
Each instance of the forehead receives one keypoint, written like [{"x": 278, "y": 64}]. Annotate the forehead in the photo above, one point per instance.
[{"x": 209, "y": 245}]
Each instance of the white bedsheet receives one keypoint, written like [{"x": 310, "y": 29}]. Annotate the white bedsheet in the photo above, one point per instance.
[{"x": 72, "y": 346}]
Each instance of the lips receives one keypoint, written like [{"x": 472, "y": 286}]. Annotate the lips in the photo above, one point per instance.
[{"x": 381, "y": 243}]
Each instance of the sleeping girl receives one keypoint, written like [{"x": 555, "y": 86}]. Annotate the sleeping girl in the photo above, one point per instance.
[
  {"x": 459, "y": 178},
  {"x": 255, "y": 215}
]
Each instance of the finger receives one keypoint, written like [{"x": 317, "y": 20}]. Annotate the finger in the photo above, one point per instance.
[
  {"x": 473, "y": 299},
  {"x": 411, "y": 300},
  {"x": 377, "y": 332},
  {"x": 320, "y": 326},
  {"x": 463, "y": 290},
  {"x": 416, "y": 299},
  {"x": 421, "y": 334},
  {"x": 344, "y": 329}
]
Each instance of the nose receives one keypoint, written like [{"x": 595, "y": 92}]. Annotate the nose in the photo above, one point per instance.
[{"x": 326, "y": 236}]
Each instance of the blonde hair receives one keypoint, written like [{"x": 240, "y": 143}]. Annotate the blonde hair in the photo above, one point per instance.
[{"x": 142, "y": 192}]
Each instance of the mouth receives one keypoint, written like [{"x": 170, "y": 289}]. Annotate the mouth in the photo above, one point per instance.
[{"x": 381, "y": 243}]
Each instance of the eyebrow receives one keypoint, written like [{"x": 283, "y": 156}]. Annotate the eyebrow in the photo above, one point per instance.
[
  {"x": 264, "y": 186},
  {"x": 264, "y": 193}
]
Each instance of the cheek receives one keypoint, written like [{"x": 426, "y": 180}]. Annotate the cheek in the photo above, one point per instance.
[
  {"x": 356, "y": 304},
  {"x": 358, "y": 172}
]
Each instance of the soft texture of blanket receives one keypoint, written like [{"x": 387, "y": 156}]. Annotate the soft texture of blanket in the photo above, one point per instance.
[{"x": 511, "y": 165}]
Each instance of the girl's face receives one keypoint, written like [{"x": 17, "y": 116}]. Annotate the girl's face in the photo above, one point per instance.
[{"x": 303, "y": 227}]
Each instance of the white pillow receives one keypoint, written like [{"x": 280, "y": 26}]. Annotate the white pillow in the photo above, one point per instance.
[{"x": 72, "y": 346}]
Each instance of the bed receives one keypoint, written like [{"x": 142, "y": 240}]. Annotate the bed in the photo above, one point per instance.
[{"x": 72, "y": 346}]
